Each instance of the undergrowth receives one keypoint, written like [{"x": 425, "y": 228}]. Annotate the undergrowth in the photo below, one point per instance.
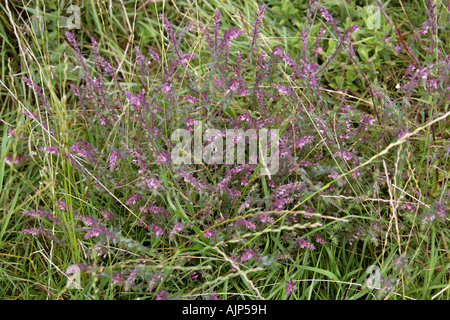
[{"x": 94, "y": 206}]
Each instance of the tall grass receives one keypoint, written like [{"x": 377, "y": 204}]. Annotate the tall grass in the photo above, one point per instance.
[{"x": 94, "y": 207}]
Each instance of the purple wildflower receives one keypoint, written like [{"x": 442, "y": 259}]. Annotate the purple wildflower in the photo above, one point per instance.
[
  {"x": 10, "y": 160},
  {"x": 289, "y": 287},
  {"x": 70, "y": 36},
  {"x": 61, "y": 204},
  {"x": 318, "y": 239},
  {"x": 277, "y": 51},
  {"x": 101, "y": 61},
  {"x": 176, "y": 229},
  {"x": 118, "y": 278},
  {"x": 152, "y": 183},
  {"x": 99, "y": 231},
  {"x": 35, "y": 231},
  {"x": 429, "y": 218},
  {"x": 228, "y": 36},
  {"x": 153, "y": 281},
  {"x": 400, "y": 262},
  {"x": 216, "y": 27},
  {"x": 36, "y": 89},
  {"x": 152, "y": 209},
  {"x": 163, "y": 156},
  {"x": 154, "y": 55},
  {"x": 156, "y": 229},
  {"x": 165, "y": 87},
  {"x": 234, "y": 85},
  {"x": 325, "y": 14},
  {"x": 208, "y": 234},
  {"x": 89, "y": 221},
  {"x": 303, "y": 243},
  {"x": 140, "y": 60},
  {"x": 248, "y": 224},
  {"x": 162, "y": 295},
  {"x": 191, "y": 180},
  {"x": 308, "y": 139},
  {"x": 409, "y": 207},
  {"x": 51, "y": 150},
  {"x": 72, "y": 269},
  {"x": 191, "y": 99},
  {"x": 113, "y": 159},
  {"x": 441, "y": 211},
  {"x": 132, "y": 200},
  {"x": 249, "y": 254},
  {"x": 353, "y": 28},
  {"x": 41, "y": 213},
  {"x": 281, "y": 89},
  {"x": 346, "y": 155},
  {"x": 265, "y": 218},
  {"x": 84, "y": 150},
  {"x": 107, "y": 215},
  {"x": 132, "y": 276},
  {"x": 329, "y": 18},
  {"x": 398, "y": 47},
  {"x": 10, "y": 132}
]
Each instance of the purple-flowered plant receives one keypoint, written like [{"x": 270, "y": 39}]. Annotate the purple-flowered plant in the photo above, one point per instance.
[{"x": 153, "y": 225}]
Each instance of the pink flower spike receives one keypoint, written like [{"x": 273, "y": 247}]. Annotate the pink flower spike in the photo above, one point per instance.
[
  {"x": 289, "y": 287},
  {"x": 208, "y": 234}
]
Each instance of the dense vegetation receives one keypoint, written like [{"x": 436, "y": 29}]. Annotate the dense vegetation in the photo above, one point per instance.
[{"x": 93, "y": 205}]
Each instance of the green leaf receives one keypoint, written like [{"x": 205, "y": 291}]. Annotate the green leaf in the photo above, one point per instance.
[
  {"x": 321, "y": 271},
  {"x": 180, "y": 213},
  {"x": 363, "y": 52}
]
